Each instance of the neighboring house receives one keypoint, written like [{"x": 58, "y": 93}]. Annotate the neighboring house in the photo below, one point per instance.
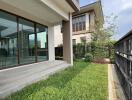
[
  {"x": 83, "y": 23},
  {"x": 27, "y": 30}
]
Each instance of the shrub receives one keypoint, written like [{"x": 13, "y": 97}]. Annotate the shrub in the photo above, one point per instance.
[
  {"x": 74, "y": 58},
  {"x": 88, "y": 57}
]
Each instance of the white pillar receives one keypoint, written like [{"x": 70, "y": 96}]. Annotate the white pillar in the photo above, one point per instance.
[
  {"x": 51, "y": 48},
  {"x": 67, "y": 41}
]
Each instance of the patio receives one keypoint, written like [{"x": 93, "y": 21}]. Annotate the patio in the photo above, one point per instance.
[{"x": 14, "y": 79}]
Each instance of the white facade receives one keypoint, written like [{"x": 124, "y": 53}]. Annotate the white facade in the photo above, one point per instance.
[
  {"x": 48, "y": 13},
  {"x": 58, "y": 36},
  {"x": 80, "y": 38},
  {"x": 83, "y": 29},
  {"x": 89, "y": 21}
]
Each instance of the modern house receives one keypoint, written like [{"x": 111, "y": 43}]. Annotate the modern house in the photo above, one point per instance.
[
  {"x": 27, "y": 37},
  {"x": 83, "y": 23}
]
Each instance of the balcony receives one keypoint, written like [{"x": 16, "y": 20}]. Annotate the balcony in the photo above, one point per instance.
[{"x": 75, "y": 4}]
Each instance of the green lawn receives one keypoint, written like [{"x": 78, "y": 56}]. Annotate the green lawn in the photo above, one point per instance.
[{"x": 83, "y": 81}]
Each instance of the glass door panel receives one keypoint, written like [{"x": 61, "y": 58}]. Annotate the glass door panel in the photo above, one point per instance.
[
  {"x": 8, "y": 40},
  {"x": 26, "y": 42},
  {"x": 42, "y": 47}
]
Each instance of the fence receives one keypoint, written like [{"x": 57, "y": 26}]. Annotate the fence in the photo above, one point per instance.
[{"x": 123, "y": 54}]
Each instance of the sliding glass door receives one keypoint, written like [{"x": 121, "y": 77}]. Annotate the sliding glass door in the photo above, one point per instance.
[
  {"x": 8, "y": 40},
  {"x": 26, "y": 40},
  {"x": 21, "y": 41},
  {"x": 42, "y": 44}
]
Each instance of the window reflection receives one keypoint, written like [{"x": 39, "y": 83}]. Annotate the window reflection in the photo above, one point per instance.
[
  {"x": 8, "y": 40},
  {"x": 79, "y": 23},
  {"x": 42, "y": 48},
  {"x": 17, "y": 41},
  {"x": 26, "y": 42}
]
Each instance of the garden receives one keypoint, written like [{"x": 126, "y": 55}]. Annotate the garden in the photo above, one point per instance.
[{"x": 87, "y": 79}]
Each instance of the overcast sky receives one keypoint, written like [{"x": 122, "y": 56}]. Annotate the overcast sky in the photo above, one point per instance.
[{"x": 120, "y": 8}]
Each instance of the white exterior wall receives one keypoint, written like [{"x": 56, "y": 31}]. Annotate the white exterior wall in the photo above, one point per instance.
[
  {"x": 67, "y": 41},
  {"x": 89, "y": 28},
  {"x": 78, "y": 37},
  {"x": 51, "y": 49},
  {"x": 58, "y": 37}
]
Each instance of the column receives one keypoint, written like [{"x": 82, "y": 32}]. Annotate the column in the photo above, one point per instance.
[
  {"x": 67, "y": 41},
  {"x": 51, "y": 49}
]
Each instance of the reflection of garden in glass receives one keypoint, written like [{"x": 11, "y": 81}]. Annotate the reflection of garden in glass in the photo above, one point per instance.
[
  {"x": 26, "y": 52},
  {"x": 41, "y": 39},
  {"x": 31, "y": 41},
  {"x": 17, "y": 41},
  {"x": 8, "y": 40},
  {"x": 42, "y": 48}
]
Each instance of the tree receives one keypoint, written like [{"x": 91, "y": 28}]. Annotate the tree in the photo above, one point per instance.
[
  {"x": 102, "y": 37},
  {"x": 104, "y": 32}
]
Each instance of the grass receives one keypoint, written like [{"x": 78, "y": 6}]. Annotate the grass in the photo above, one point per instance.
[{"x": 83, "y": 81}]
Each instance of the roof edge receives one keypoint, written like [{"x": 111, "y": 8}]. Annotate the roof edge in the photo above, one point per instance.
[
  {"x": 125, "y": 36},
  {"x": 73, "y": 5}
]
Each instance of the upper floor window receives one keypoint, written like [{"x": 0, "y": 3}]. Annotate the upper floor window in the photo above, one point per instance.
[
  {"x": 73, "y": 27},
  {"x": 79, "y": 23},
  {"x": 74, "y": 41},
  {"x": 77, "y": 28},
  {"x": 83, "y": 26}
]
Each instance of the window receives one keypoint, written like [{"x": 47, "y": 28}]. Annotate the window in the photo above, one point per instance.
[
  {"x": 77, "y": 26},
  {"x": 131, "y": 45},
  {"x": 42, "y": 45},
  {"x": 26, "y": 37},
  {"x": 83, "y": 26},
  {"x": 73, "y": 20},
  {"x": 80, "y": 26},
  {"x": 74, "y": 41},
  {"x": 73, "y": 27},
  {"x": 8, "y": 40},
  {"x": 21, "y": 41},
  {"x": 83, "y": 23},
  {"x": 79, "y": 23}
]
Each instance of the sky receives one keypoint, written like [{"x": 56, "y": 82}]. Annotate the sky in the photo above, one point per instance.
[{"x": 120, "y": 8}]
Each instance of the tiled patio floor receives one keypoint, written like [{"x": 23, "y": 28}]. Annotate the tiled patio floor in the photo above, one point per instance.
[{"x": 14, "y": 79}]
